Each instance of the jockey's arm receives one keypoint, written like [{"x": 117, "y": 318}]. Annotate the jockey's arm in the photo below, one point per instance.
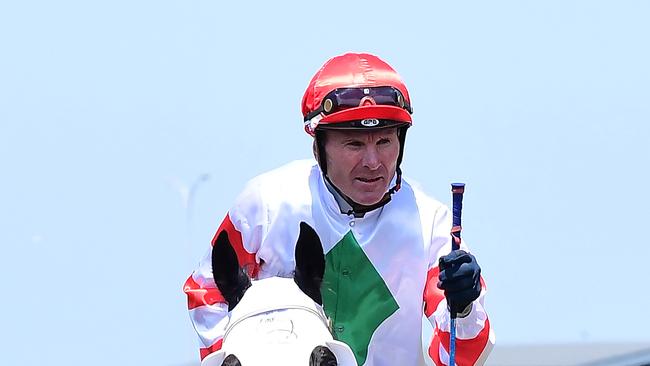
[
  {"x": 474, "y": 338},
  {"x": 207, "y": 307}
]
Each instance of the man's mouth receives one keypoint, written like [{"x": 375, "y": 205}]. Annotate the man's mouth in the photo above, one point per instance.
[{"x": 369, "y": 180}]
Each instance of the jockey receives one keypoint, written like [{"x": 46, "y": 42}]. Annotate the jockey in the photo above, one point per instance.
[{"x": 387, "y": 244}]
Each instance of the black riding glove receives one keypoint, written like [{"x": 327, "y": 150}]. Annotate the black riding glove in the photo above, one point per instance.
[{"x": 460, "y": 278}]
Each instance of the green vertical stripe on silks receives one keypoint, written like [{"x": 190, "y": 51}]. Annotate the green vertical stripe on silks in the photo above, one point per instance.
[{"x": 355, "y": 297}]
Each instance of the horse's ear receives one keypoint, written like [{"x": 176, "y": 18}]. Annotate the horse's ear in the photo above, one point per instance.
[
  {"x": 231, "y": 360},
  {"x": 310, "y": 263},
  {"x": 231, "y": 280},
  {"x": 322, "y": 356}
]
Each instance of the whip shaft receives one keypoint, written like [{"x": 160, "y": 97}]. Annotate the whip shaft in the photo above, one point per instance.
[{"x": 457, "y": 191}]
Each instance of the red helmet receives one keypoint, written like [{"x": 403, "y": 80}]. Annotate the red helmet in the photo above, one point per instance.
[{"x": 356, "y": 90}]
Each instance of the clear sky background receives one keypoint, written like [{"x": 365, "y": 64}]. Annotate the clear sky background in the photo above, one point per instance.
[{"x": 111, "y": 111}]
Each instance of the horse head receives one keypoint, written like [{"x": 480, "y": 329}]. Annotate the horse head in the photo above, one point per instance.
[{"x": 276, "y": 321}]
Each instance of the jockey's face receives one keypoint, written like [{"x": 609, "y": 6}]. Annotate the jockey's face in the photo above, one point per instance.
[{"x": 361, "y": 164}]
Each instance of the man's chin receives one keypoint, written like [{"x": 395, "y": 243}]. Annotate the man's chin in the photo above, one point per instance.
[{"x": 368, "y": 199}]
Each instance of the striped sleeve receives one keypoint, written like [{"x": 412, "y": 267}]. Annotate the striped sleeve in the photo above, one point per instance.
[
  {"x": 474, "y": 337},
  {"x": 207, "y": 307}
]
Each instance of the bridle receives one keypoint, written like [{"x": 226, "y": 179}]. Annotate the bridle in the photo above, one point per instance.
[{"x": 320, "y": 315}]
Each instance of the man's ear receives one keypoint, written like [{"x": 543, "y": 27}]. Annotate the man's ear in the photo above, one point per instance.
[
  {"x": 310, "y": 263},
  {"x": 314, "y": 149},
  {"x": 231, "y": 280}
]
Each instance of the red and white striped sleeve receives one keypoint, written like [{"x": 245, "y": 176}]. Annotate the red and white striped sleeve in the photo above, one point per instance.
[
  {"x": 207, "y": 307},
  {"x": 474, "y": 337}
]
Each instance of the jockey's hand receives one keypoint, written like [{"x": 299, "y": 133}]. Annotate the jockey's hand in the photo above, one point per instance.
[{"x": 460, "y": 278}]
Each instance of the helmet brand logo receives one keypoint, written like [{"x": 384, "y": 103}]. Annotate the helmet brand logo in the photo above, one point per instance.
[{"x": 370, "y": 122}]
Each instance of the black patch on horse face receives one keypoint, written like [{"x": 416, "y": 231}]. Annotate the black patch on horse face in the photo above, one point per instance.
[
  {"x": 231, "y": 360},
  {"x": 310, "y": 263},
  {"x": 231, "y": 280},
  {"x": 322, "y": 356}
]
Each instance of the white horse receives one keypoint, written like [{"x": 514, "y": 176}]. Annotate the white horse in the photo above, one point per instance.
[{"x": 276, "y": 321}]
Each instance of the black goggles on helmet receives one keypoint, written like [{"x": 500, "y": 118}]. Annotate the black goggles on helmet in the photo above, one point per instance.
[{"x": 343, "y": 98}]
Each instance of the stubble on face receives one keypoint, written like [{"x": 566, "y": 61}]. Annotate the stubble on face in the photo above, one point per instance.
[{"x": 361, "y": 164}]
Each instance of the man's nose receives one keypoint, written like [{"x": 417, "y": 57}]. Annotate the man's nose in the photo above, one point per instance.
[{"x": 371, "y": 158}]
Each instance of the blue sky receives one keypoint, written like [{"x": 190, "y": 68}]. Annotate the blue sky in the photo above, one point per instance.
[{"x": 110, "y": 110}]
